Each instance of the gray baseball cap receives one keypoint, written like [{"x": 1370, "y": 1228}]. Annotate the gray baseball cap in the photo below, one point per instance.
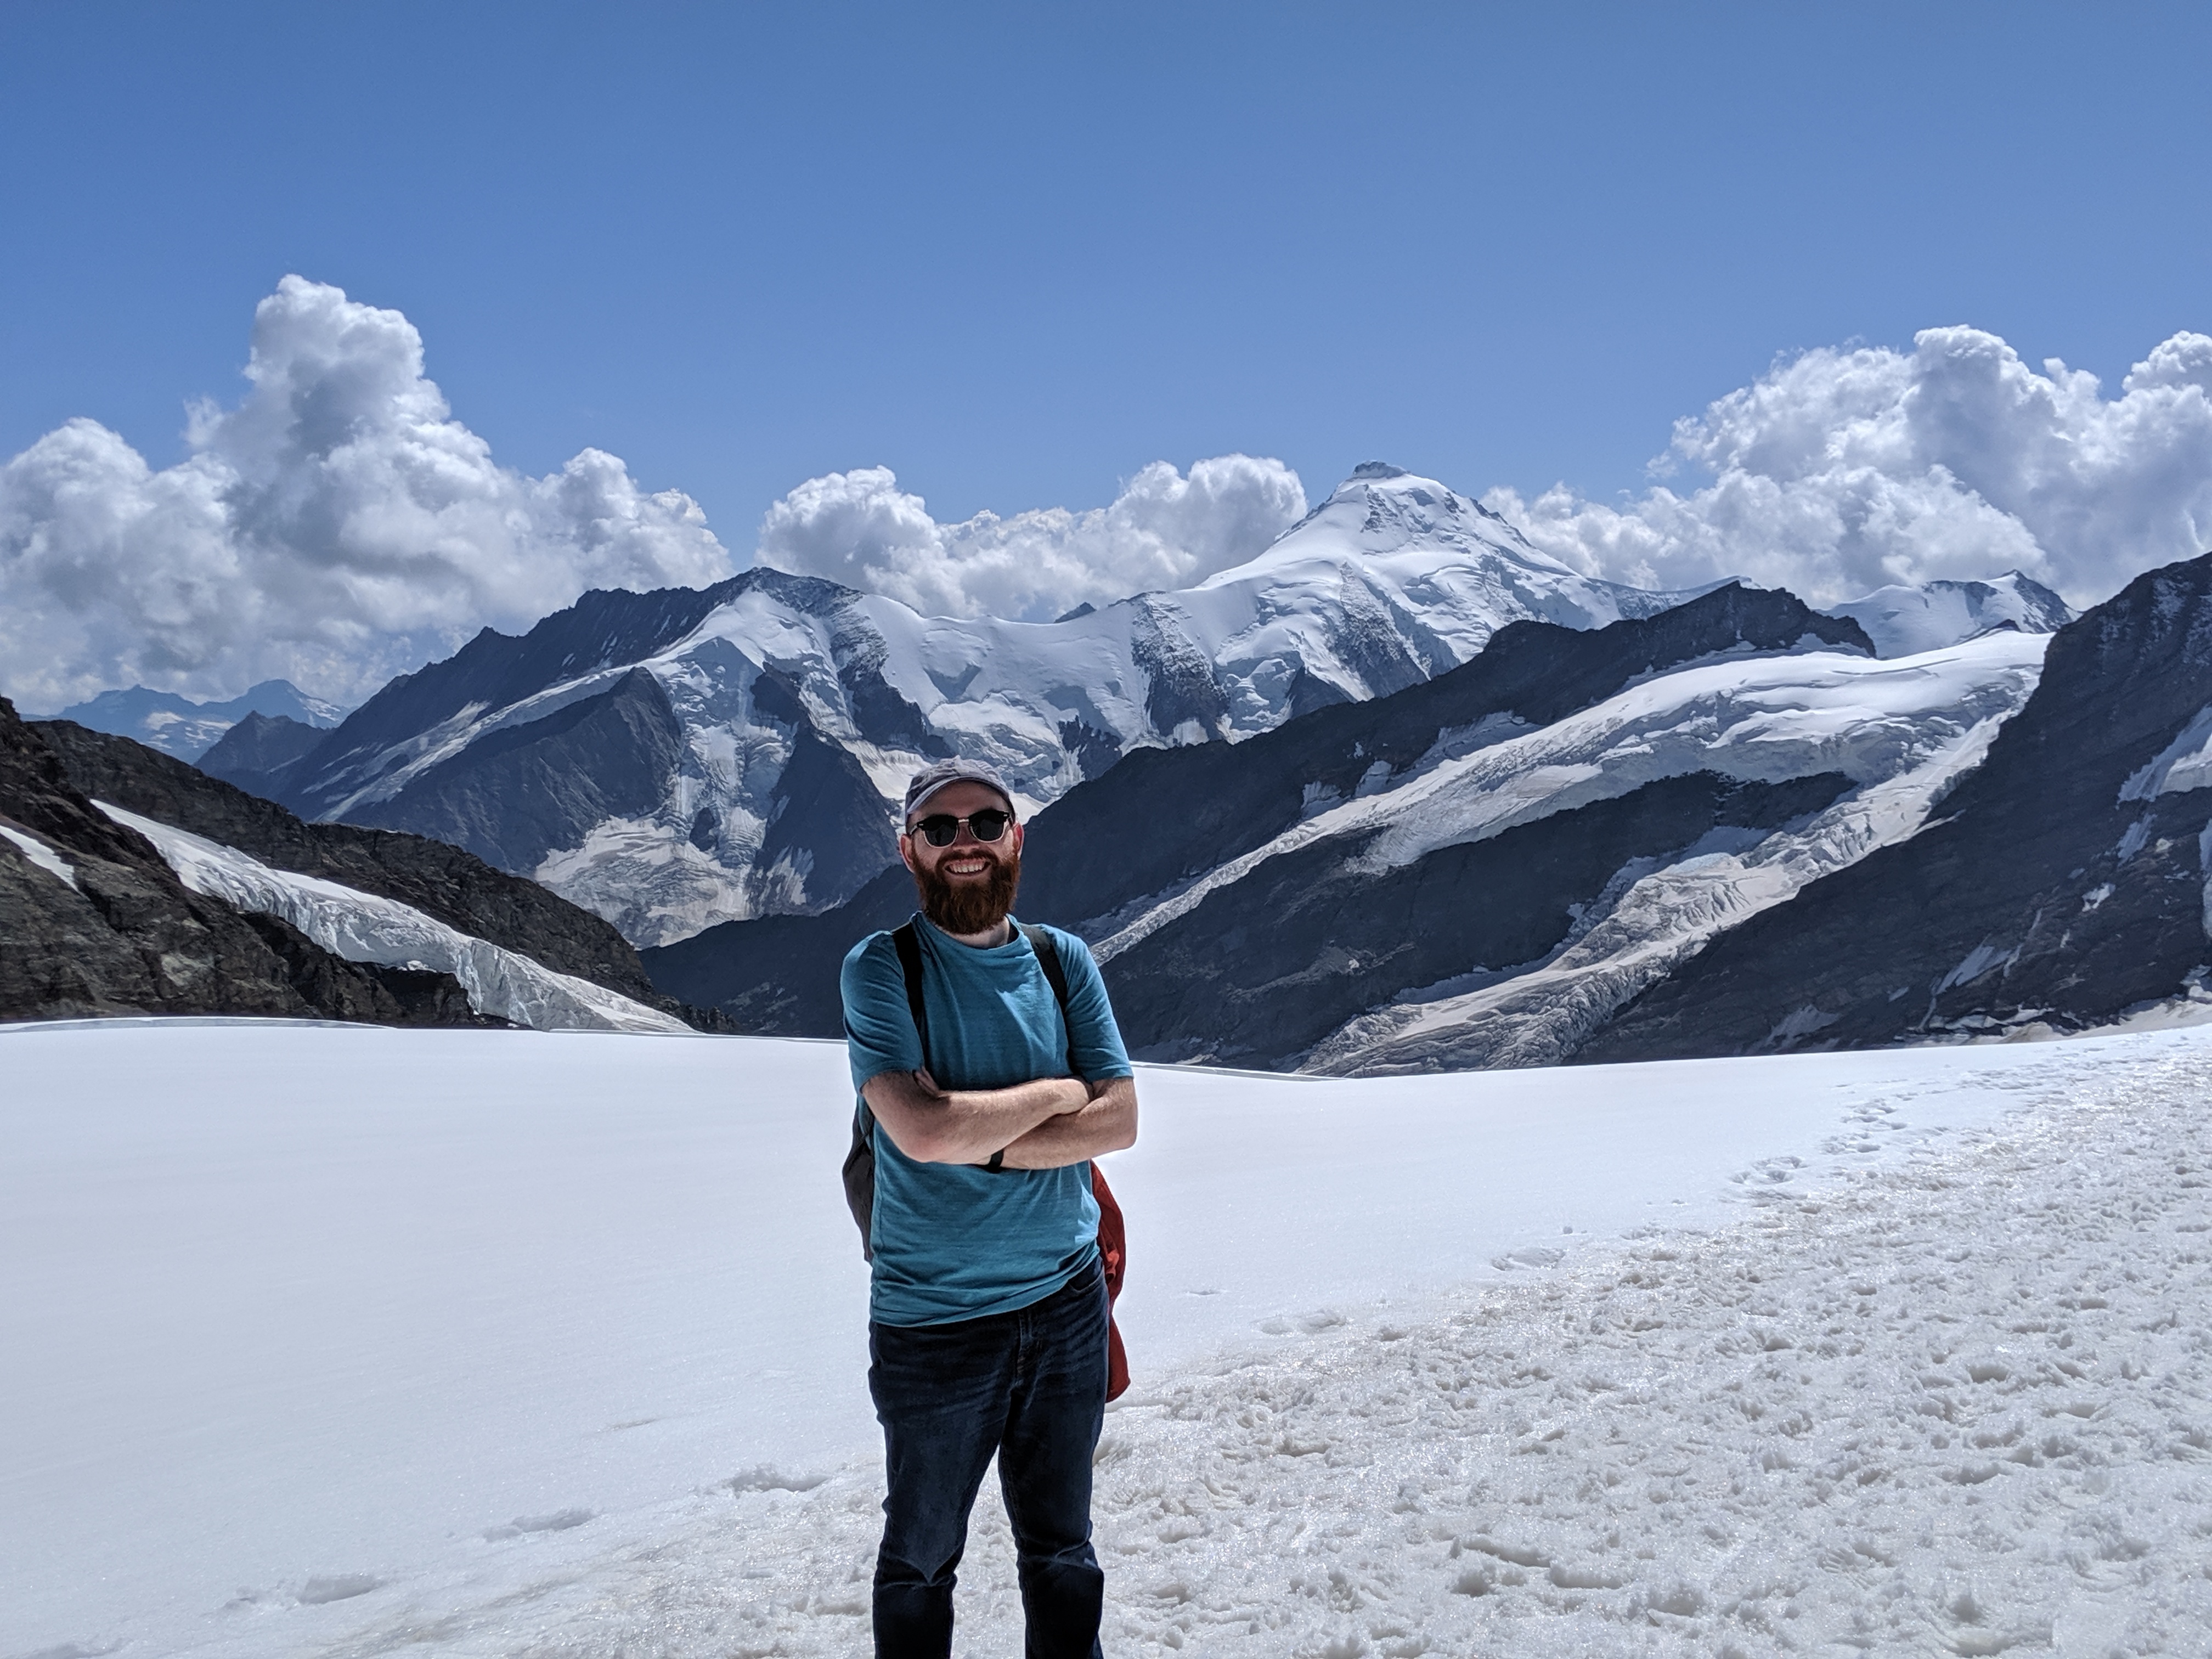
[{"x": 938, "y": 774}]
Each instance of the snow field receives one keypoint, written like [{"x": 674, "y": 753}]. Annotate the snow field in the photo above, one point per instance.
[
  {"x": 501, "y": 1343},
  {"x": 1961, "y": 1405}
]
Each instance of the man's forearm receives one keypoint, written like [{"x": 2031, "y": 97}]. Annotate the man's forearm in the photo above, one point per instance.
[
  {"x": 967, "y": 1125},
  {"x": 1108, "y": 1124}
]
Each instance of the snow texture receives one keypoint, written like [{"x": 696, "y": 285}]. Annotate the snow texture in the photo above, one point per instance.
[
  {"x": 2184, "y": 765},
  {"x": 368, "y": 927},
  {"x": 1904, "y": 622},
  {"x": 1902, "y": 730},
  {"x": 474, "y": 1343},
  {"x": 1391, "y": 580},
  {"x": 40, "y": 854}
]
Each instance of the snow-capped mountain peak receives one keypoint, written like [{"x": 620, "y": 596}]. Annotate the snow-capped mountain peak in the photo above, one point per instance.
[
  {"x": 1905, "y": 620},
  {"x": 1381, "y": 509},
  {"x": 178, "y": 725},
  {"x": 674, "y": 760}
]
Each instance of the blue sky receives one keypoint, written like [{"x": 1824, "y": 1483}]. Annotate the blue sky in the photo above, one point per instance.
[
  {"x": 847, "y": 276},
  {"x": 1016, "y": 252}
]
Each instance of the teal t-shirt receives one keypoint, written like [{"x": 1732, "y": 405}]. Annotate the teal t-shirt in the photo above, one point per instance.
[{"x": 957, "y": 1241}]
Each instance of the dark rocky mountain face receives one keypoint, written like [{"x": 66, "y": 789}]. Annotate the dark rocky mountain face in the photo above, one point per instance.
[
  {"x": 518, "y": 793},
  {"x": 442, "y": 880},
  {"x": 777, "y": 976},
  {"x": 603, "y": 762},
  {"x": 113, "y": 931},
  {"x": 1165, "y": 816},
  {"x": 259, "y": 753},
  {"x": 1264, "y": 967},
  {"x": 2064, "y": 881},
  {"x": 1263, "y": 970},
  {"x": 604, "y": 628}
]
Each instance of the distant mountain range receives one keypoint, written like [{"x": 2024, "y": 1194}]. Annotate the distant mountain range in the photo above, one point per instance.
[
  {"x": 1479, "y": 870},
  {"x": 676, "y": 759},
  {"x": 1400, "y": 794},
  {"x": 178, "y": 725},
  {"x": 1727, "y": 829}
]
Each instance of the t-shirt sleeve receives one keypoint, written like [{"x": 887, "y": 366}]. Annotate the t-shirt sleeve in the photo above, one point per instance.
[
  {"x": 1096, "y": 1038},
  {"x": 879, "y": 1034}
]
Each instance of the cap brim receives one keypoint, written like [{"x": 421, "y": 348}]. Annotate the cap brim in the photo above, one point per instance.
[{"x": 934, "y": 790}]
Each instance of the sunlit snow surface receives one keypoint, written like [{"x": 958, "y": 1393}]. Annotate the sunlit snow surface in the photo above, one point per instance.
[{"x": 333, "y": 1340}]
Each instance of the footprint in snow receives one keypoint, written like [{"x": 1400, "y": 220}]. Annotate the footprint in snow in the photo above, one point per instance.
[
  {"x": 1528, "y": 1255},
  {"x": 766, "y": 1476},
  {"x": 559, "y": 1521},
  {"x": 337, "y": 1587}
]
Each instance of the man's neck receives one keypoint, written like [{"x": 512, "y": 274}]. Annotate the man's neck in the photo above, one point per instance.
[{"x": 999, "y": 933}]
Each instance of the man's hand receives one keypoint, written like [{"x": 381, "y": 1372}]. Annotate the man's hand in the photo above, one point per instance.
[
  {"x": 1106, "y": 1123},
  {"x": 931, "y": 1125}
]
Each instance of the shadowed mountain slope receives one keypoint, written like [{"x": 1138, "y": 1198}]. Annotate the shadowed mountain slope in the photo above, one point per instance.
[
  {"x": 97, "y": 924},
  {"x": 1162, "y": 819},
  {"x": 2063, "y": 882},
  {"x": 443, "y": 881}
]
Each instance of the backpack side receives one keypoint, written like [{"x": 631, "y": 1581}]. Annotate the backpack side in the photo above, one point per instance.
[{"x": 858, "y": 1172}]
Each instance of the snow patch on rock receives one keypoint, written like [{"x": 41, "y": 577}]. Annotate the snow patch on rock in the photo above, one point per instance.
[{"x": 367, "y": 928}]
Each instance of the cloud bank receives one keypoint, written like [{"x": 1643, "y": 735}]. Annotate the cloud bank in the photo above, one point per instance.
[
  {"x": 335, "y": 528},
  {"x": 1843, "y": 471},
  {"x": 338, "y": 525},
  {"x": 1162, "y": 530}
]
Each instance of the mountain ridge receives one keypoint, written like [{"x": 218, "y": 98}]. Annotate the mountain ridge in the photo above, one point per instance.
[{"x": 2064, "y": 885}]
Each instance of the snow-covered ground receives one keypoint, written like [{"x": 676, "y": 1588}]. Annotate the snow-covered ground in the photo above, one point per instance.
[{"x": 333, "y": 1340}]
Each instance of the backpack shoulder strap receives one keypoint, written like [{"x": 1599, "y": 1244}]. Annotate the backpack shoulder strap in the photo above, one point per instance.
[
  {"x": 1055, "y": 974},
  {"x": 907, "y": 943}
]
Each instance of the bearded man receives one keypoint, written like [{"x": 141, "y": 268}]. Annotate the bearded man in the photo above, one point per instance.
[{"x": 988, "y": 1310}]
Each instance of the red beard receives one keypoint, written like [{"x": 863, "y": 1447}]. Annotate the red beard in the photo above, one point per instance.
[{"x": 970, "y": 907}]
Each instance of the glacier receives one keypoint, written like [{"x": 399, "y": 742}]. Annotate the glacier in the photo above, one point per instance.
[{"x": 368, "y": 927}]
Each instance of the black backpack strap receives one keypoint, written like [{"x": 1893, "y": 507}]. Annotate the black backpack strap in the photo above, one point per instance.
[
  {"x": 1055, "y": 974},
  {"x": 907, "y": 943}
]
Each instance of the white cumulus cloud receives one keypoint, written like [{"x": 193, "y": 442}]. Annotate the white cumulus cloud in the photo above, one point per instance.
[
  {"x": 335, "y": 528},
  {"x": 1842, "y": 472},
  {"x": 1163, "y": 530}
]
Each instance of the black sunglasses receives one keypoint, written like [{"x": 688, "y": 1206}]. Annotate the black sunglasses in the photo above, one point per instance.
[{"x": 942, "y": 829}]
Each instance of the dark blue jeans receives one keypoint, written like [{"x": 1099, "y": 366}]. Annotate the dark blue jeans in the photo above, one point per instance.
[{"x": 1030, "y": 1386}]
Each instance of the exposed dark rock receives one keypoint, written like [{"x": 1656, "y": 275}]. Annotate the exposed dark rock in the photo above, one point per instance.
[
  {"x": 604, "y": 629},
  {"x": 128, "y": 938},
  {"x": 262, "y": 752},
  {"x": 830, "y": 816},
  {"x": 1263, "y": 968},
  {"x": 514, "y": 796},
  {"x": 2040, "y": 894},
  {"x": 1183, "y": 691},
  {"x": 777, "y": 976},
  {"x": 441, "y": 880},
  {"x": 1163, "y": 816},
  {"x": 1094, "y": 751}
]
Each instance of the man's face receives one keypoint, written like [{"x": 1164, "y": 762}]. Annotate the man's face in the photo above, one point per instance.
[{"x": 969, "y": 886}]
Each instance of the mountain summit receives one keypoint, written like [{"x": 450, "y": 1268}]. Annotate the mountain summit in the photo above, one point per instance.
[{"x": 676, "y": 759}]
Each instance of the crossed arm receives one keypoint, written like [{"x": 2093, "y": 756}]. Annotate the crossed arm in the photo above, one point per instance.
[{"x": 1040, "y": 1125}]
